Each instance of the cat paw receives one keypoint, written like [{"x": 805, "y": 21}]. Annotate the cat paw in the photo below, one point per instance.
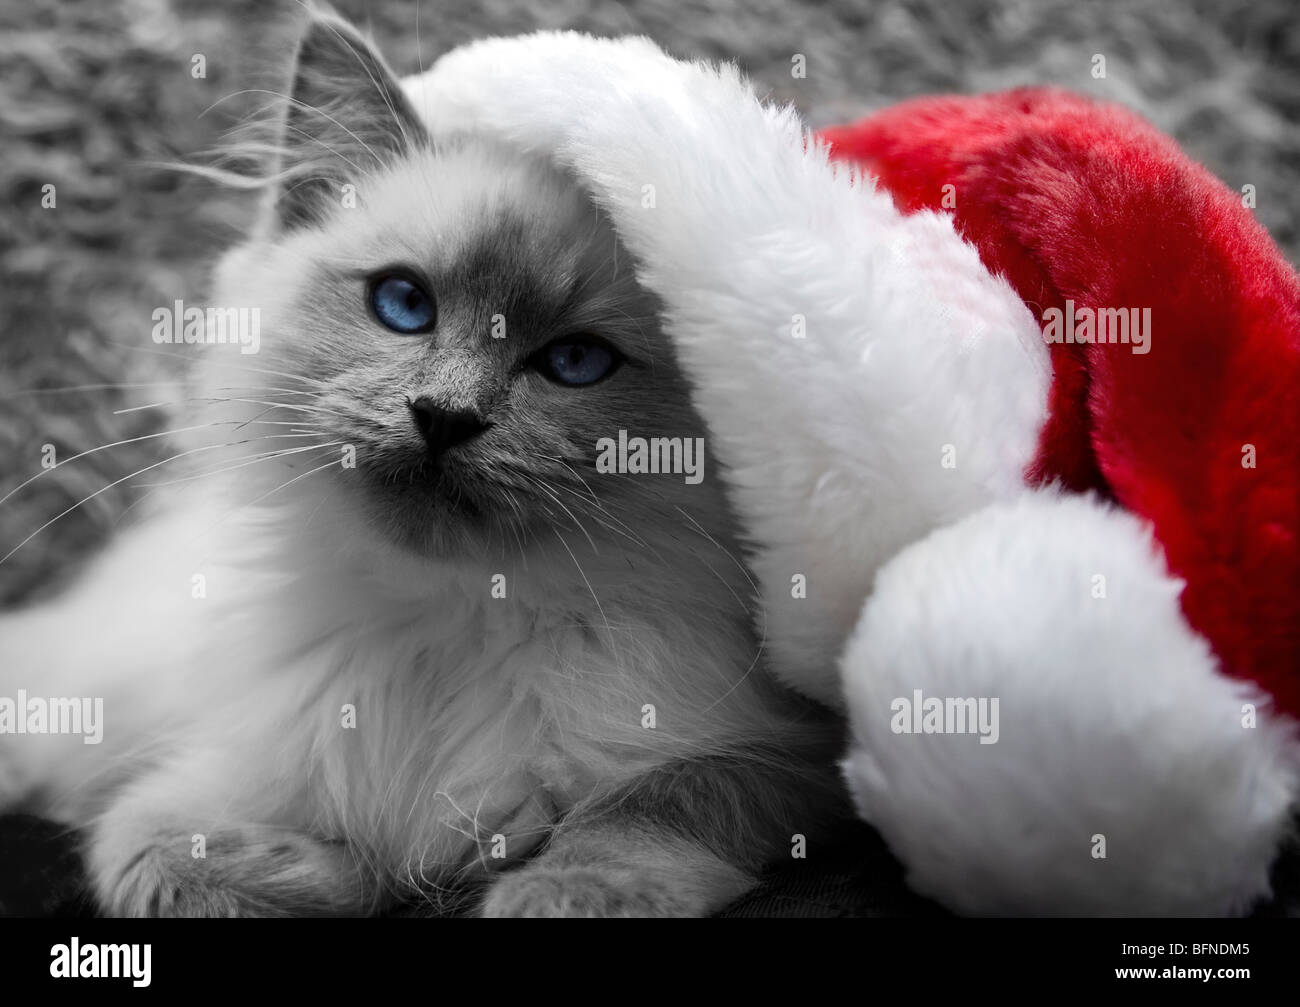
[
  {"x": 590, "y": 892},
  {"x": 254, "y": 871}
]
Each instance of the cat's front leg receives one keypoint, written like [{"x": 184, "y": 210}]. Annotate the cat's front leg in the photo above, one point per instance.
[
  {"x": 685, "y": 840},
  {"x": 181, "y": 841}
]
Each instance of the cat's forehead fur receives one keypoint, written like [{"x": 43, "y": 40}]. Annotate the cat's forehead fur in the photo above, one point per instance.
[{"x": 470, "y": 210}]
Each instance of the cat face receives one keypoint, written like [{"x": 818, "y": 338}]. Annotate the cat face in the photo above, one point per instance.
[{"x": 461, "y": 322}]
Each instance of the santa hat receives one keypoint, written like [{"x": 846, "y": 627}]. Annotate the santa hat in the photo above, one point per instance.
[
  {"x": 1100, "y": 536},
  {"x": 1084, "y": 207}
]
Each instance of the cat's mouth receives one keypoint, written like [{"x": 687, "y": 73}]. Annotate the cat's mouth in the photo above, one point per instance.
[
  {"x": 432, "y": 505},
  {"x": 450, "y": 495},
  {"x": 437, "y": 487}
]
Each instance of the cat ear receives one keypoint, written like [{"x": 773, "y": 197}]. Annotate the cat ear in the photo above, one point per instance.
[{"x": 347, "y": 116}]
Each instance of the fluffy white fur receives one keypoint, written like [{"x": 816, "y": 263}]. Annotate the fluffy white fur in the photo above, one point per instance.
[
  {"x": 1117, "y": 721},
  {"x": 1114, "y": 722}
]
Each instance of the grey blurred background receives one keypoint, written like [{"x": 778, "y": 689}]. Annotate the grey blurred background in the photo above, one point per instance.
[{"x": 92, "y": 91}]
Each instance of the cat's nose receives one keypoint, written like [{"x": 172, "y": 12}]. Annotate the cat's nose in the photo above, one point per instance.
[{"x": 444, "y": 428}]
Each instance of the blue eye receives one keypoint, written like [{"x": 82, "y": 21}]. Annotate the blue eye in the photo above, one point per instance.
[
  {"x": 401, "y": 305},
  {"x": 576, "y": 361}
]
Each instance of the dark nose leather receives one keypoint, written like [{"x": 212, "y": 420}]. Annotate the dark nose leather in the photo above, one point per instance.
[{"x": 444, "y": 428}]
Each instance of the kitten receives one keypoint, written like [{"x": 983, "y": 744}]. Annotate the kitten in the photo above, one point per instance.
[{"x": 398, "y": 637}]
